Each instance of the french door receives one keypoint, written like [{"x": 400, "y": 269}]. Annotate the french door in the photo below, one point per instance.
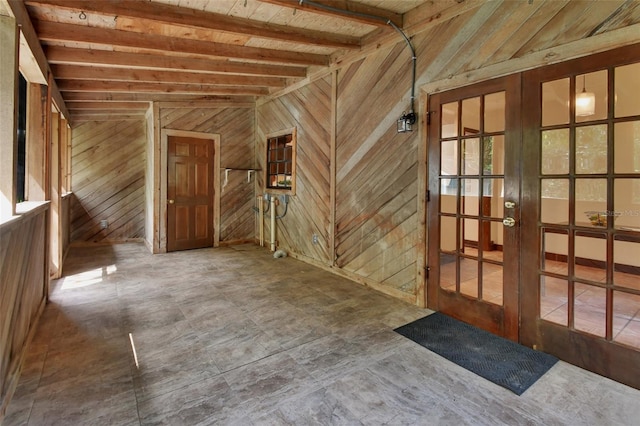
[
  {"x": 474, "y": 184},
  {"x": 534, "y": 218},
  {"x": 581, "y": 297}
]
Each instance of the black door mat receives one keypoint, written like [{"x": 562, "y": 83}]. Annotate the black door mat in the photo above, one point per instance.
[{"x": 505, "y": 363}]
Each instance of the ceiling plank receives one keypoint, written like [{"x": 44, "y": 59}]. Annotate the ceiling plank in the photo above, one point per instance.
[
  {"x": 192, "y": 89},
  {"x": 66, "y": 55},
  {"x": 75, "y": 72},
  {"x": 174, "y": 15},
  {"x": 154, "y": 97},
  {"x": 54, "y": 31},
  {"x": 348, "y": 6}
]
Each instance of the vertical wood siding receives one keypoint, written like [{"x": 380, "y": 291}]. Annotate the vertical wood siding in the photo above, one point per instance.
[
  {"x": 108, "y": 180},
  {"x": 236, "y": 129},
  {"x": 23, "y": 289}
]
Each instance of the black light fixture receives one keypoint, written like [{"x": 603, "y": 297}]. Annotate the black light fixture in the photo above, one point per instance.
[{"x": 406, "y": 121}]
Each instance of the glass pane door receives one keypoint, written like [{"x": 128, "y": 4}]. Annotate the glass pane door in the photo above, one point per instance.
[
  {"x": 471, "y": 167},
  {"x": 590, "y": 204},
  {"x": 581, "y": 298}
]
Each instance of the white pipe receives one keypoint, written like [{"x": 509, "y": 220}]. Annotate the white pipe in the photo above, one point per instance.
[
  {"x": 273, "y": 223},
  {"x": 261, "y": 215}
]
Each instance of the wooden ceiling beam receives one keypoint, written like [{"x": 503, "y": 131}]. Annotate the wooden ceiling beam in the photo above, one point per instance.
[
  {"x": 104, "y": 105},
  {"x": 358, "y": 9},
  {"x": 79, "y": 118},
  {"x": 54, "y": 31},
  {"x": 153, "y": 97},
  {"x": 19, "y": 11},
  {"x": 67, "y": 55},
  {"x": 198, "y": 19},
  {"x": 126, "y": 87},
  {"x": 75, "y": 72}
]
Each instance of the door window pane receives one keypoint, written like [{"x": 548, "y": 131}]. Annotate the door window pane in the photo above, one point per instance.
[
  {"x": 555, "y": 152},
  {"x": 627, "y": 102},
  {"x": 494, "y": 112},
  {"x": 470, "y": 192},
  {"x": 448, "y": 271},
  {"x": 469, "y": 277},
  {"x": 471, "y": 115},
  {"x": 626, "y": 318},
  {"x": 493, "y": 155},
  {"x": 555, "y": 102},
  {"x": 492, "y": 283},
  {"x": 554, "y": 204},
  {"x": 554, "y": 297},
  {"x": 591, "y": 149},
  {"x": 448, "y": 195},
  {"x": 493, "y": 199},
  {"x": 591, "y": 96},
  {"x": 591, "y": 202},
  {"x": 591, "y": 257},
  {"x": 555, "y": 250},
  {"x": 590, "y": 307},
  {"x": 626, "y": 201},
  {"x": 471, "y": 234},
  {"x": 470, "y": 156},
  {"x": 449, "y": 158},
  {"x": 626, "y": 259},
  {"x": 448, "y": 234},
  {"x": 627, "y": 147},
  {"x": 449, "y": 128}
]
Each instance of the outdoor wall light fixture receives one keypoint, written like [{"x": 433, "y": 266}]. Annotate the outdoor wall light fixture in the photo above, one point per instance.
[
  {"x": 585, "y": 101},
  {"x": 407, "y": 119}
]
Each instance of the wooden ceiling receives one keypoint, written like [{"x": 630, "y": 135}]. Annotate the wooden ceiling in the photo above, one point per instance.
[{"x": 110, "y": 58}]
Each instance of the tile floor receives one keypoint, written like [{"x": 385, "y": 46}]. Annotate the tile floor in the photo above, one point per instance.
[{"x": 233, "y": 336}]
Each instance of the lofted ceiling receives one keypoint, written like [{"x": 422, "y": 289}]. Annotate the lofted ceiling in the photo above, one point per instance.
[{"x": 110, "y": 58}]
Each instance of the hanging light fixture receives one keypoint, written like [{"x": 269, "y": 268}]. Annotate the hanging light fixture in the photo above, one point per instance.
[{"x": 585, "y": 101}]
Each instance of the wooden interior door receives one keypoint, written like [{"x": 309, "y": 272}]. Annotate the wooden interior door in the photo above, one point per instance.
[
  {"x": 474, "y": 180},
  {"x": 190, "y": 193},
  {"x": 581, "y": 301}
]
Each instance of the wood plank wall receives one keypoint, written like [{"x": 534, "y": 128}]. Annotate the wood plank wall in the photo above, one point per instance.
[
  {"x": 24, "y": 277},
  {"x": 309, "y": 110},
  {"x": 108, "y": 180},
  {"x": 379, "y": 208},
  {"x": 236, "y": 129}
]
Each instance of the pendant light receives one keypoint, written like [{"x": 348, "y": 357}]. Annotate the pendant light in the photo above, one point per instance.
[{"x": 585, "y": 101}]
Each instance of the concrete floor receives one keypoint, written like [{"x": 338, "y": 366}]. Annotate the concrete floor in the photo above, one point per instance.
[{"x": 233, "y": 336}]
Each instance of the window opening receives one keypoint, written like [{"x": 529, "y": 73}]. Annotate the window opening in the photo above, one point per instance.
[
  {"x": 281, "y": 161},
  {"x": 22, "y": 139}
]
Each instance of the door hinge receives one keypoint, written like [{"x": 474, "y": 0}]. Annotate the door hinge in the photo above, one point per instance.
[
  {"x": 426, "y": 271},
  {"x": 428, "y": 117},
  {"x": 428, "y": 196}
]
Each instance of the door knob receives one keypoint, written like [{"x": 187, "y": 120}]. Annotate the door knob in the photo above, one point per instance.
[
  {"x": 171, "y": 201},
  {"x": 509, "y": 221}
]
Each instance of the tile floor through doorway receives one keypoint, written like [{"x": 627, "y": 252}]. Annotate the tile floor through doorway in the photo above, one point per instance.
[{"x": 234, "y": 336}]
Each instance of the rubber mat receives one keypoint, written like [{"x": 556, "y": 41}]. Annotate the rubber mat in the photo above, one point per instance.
[{"x": 505, "y": 363}]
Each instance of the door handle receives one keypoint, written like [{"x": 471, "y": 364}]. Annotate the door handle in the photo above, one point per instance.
[
  {"x": 509, "y": 221},
  {"x": 171, "y": 201}
]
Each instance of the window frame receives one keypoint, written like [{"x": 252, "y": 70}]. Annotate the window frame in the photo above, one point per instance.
[{"x": 291, "y": 189}]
